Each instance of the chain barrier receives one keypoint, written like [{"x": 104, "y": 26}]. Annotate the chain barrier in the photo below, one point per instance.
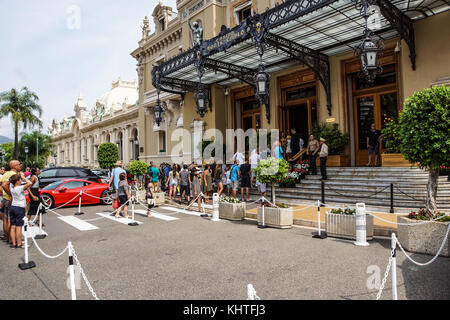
[
  {"x": 434, "y": 258},
  {"x": 91, "y": 290},
  {"x": 90, "y": 195},
  {"x": 251, "y": 293},
  {"x": 386, "y": 273},
  {"x": 415, "y": 199},
  {"x": 46, "y": 255},
  {"x": 366, "y": 197}
]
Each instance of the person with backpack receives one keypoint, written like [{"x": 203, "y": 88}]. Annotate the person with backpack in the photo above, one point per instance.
[
  {"x": 185, "y": 182},
  {"x": 235, "y": 174}
]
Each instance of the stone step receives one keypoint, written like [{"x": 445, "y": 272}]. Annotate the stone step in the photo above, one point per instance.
[
  {"x": 368, "y": 184},
  {"x": 386, "y": 180}
]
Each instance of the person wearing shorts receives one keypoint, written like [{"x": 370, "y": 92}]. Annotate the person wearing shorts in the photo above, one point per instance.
[
  {"x": 13, "y": 168},
  {"x": 234, "y": 177},
  {"x": 17, "y": 211},
  {"x": 124, "y": 195},
  {"x": 185, "y": 182},
  {"x": 373, "y": 144}
]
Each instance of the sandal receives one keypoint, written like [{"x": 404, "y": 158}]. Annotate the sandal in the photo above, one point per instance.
[{"x": 20, "y": 247}]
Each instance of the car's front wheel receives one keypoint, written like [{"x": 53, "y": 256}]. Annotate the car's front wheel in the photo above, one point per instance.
[
  {"x": 47, "y": 200},
  {"x": 106, "y": 198}
]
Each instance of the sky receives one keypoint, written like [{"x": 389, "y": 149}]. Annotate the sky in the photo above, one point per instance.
[{"x": 59, "y": 48}]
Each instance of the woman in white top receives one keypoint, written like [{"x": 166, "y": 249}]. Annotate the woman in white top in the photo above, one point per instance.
[{"x": 17, "y": 211}]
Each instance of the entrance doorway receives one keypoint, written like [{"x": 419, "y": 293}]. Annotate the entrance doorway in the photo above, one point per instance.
[
  {"x": 250, "y": 114},
  {"x": 373, "y": 104},
  {"x": 299, "y": 110}
]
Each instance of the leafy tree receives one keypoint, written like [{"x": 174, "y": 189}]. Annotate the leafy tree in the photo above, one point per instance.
[
  {"x": 336, "y": 140},
  {"x": 107, "y": 155},
  {"x": 138, "y": 168},
  {"x": 424, "y": 131},
  {"x": 45, "y": 148},
  {"x": 24, "y": 110},
  {"x": 271, "y": 171},
  {"x": 8, "y": 151}
]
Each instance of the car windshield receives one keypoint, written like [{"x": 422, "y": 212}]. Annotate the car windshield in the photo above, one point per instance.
[{"x": 53, "y": 185}]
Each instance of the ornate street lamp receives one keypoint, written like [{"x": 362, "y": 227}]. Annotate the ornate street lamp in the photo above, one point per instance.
[
  {"x": 158, "y": 111},
  {"x": 369, "y": 50},
  {"x": 200, "y": 101},
  {"x": 262, "y": 84},
  {"x": 26, "y": 152}
]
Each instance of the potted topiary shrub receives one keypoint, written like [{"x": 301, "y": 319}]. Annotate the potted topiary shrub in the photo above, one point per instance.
[
  {"x": 342, "y": 224},
  {"x": 423, "y": 232},
  {"x": 231, "y": 209},
  {"x": 336, "y": 142},
  {"x": 271, "y": 171},
  {"x": 279, "y": 216},
  {"x": 392, "y": 141}
]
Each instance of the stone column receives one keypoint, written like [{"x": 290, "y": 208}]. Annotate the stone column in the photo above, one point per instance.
[{"x": 126, "y": 145}]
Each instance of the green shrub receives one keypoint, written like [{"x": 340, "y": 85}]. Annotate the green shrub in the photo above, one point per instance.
[
  {"x": 391, "y": 137},
  {"x": 336, "y": 140},
  {"x": 107, "y": 155},
  {"x": 138, "y": 168}
]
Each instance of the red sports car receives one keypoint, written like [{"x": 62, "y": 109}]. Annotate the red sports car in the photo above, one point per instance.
[{"x": 64, "y": 191}]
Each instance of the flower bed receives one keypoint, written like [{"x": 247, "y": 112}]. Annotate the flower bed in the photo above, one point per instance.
[
  {"x": 231, "y": 209},
  {"x": 342, "y": 224},
  {"x": 280, "y": 217}
]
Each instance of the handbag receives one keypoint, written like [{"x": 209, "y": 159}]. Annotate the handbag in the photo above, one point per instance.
[{"x": 116, "y": 204}]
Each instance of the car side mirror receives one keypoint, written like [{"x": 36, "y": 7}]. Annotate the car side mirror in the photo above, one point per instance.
[{"x": 63, "y": 190}]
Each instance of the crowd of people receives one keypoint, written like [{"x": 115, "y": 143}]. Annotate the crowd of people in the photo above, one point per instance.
[{"x": 13, "y": 206}]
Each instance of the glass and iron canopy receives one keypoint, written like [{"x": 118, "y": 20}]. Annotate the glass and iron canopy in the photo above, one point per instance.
[{"x": 296, "y": 31}]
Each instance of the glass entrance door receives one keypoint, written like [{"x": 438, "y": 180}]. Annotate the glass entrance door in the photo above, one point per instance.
[{"x": 378, "y": 108}]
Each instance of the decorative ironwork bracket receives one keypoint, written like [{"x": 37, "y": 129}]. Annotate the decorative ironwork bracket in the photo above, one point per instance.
[
  {"x": 402, "y": 23},
  {"x": 242, "y": 73},
  {"x": 316, "y": 61}
]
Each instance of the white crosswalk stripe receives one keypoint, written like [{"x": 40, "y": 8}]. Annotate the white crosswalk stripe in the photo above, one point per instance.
[
  {"x": 177, "y": 210},
  {"x": 156, "y": 215},
  {"x": 78, "y": 223},
  {"x": 120, "y": 220}
]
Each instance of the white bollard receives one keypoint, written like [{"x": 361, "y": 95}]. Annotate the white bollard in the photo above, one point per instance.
[
  {"x": 215, "y": 216},
  {"x": 361, "y": 234},
  {"x": 319, "y": 234},
  {"x": 72, "y": 273},
  {"x": 79, "y": 213},
  {"x": 263, "y": 224},
  {"x": 27, "y": 264},
  {"x": 41, "y": 235},
  {"x": 394, "y": 266}
]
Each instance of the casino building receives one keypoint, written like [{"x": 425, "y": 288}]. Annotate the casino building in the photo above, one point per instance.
[{"x": 280, "y": 64}]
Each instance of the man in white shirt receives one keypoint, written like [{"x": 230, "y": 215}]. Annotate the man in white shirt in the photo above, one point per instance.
[
  {"x": 323, "y": 153},
  {"x": 239, "y": 157},
  {"x": 254, "y": 160}
]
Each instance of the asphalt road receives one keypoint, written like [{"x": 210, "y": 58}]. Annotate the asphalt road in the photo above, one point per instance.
[{"x": 195, "y": 258}]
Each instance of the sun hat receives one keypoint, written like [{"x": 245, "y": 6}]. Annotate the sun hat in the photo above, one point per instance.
[
  {"x": 118, "y": 163},
  {"x": 323, "y": 140}
]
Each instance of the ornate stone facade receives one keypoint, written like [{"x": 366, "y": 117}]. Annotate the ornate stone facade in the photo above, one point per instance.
[{"x": 113, "y": 118}]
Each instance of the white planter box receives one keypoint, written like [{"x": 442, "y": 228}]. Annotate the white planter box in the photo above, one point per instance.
[
  {"x": 344, "y": 226},
  {"x": 232, "y": 211},
  {"x": 423, "y": 238},
  {"x": 276, "y": 217},
  {"x": 160, "y": 198}
]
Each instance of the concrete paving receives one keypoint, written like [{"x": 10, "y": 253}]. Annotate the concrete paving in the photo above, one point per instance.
[{"x": 194, "y": 258}]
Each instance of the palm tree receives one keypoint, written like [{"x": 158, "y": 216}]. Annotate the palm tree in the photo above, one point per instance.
[{"x": 21, "y": 106}]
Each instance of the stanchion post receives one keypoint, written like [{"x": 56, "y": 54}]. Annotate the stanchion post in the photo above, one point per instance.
[
  {"x": 40, "y": 236},
  {"x": 71, "y": 272},
  {"x": 361, "y": 234},
  {"x": 79, "y": 213},
  {"x": 134, "y": 223},
  {"x": 215, "y": 216},
  {"x": 319, "y": 234},
  {"x": 27, "y": 264},
  {"x": 394, "y": 266},
  {"x": 204, "y": 215},
  {"x": 263, "y": 223},
  {"x": 392, "y": 198},
  {"x": 323, "y": 193}
]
